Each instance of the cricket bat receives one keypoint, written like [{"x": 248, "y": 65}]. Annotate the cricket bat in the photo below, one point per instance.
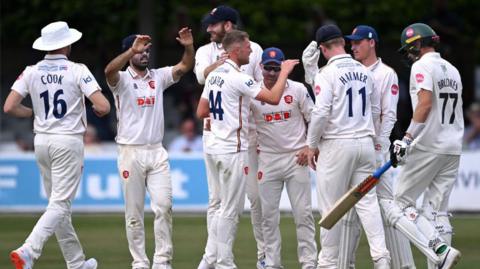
[{"x": 349, "y": 199}]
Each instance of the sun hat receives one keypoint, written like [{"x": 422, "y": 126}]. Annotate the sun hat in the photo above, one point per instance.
[{"x": 56, "y": 35}]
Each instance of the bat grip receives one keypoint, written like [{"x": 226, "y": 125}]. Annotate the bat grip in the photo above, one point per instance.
[{"x": 379, "y": 172}]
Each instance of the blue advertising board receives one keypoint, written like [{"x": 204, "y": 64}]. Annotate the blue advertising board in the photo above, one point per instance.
[{"x": 21, "y": 186}]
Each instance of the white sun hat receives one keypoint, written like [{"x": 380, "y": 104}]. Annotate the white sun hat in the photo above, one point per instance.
[{"x": 56, "y": 35}]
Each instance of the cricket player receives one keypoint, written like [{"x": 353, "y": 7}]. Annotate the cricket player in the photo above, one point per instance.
[
  {"x": 57, "y": 88},
  {"x": 341, "y": 133},
  {"x": 431, "y": 147},
  {"x": 364, "y": 40},
  {"x": 143, "y": 161},
  {"x": 220, "y": 21},
  {"x": 283, "y": 161},
  {"x": 226, "y": 100}
]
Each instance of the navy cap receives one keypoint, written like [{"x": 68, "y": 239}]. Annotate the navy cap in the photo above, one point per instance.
[
  {"x": 221, "y": 13},
  {"x": 127, "y": 42},
  {"x": 327, "y": 32},
  {"x": 272, "y": 55},
  {"x": 363, "y": 32}
]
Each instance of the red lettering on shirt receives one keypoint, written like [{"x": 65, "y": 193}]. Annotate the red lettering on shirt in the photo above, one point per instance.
[{"x": 286, "y": 115}]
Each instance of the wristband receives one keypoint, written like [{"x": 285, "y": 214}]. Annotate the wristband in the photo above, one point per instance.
[{"x": 415, "y": 128}]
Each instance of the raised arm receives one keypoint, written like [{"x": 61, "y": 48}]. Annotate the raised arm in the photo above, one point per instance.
[
  {"x": 13, "y": 106},
  {"x": 274, "y": 95},
  {"x": 141, "y": 44},
  {"x": 186, "y": 64}
]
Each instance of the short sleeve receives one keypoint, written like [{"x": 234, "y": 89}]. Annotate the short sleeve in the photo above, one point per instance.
[
  {"x": 204, "y": 93},
  {"x": 120, "y": 82},
  {"x": 21, "y": 84},
  {"x": 247, "y": 86},
  {"x": 305, "y": 102},
  {"x": 87, "y": 82},
  {"x": 164, "y": 76},
  {"x": 421, "y": 77},
  {"x": 202, "y": 61}
]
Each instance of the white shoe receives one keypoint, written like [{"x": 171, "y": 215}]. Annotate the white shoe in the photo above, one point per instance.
[
  {"x": 261, "y": 264},
  {"x": 205, "y": 265},
  {"x": 382, "y": 263},
  {"x": 449, "y": 258},
  {"x": 21, "y": 258},
  {"x": 166, "y": 265},
  {"x": 90, "y": 264}
]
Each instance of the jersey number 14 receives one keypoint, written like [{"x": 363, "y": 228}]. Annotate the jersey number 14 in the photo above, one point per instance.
[{"x": 216, "y": 105}]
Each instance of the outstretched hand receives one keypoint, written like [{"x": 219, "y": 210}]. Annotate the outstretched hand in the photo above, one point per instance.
[
  {"x": 288, "y": 65},
  {"x": 141, "y": 43},
  {"x": 185, "y": 37}
]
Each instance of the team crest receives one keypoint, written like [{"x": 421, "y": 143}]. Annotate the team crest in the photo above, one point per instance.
[
  {"x": 259, "y": 175},
  {"x": 245, "y": 169},
  {"x": 288, "y": 99},
  {"x": 394, "y": 89},
  {"x": 125, "y": 174},
  {"x": 419, "y": 78},
  {"x": 317, "y": 90},
  {"x": 272, "y": 54},
  {"x": 410, "y": 32},
  {"x": 151, "y": 83}
]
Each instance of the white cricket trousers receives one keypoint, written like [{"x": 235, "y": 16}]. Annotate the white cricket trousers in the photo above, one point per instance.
[
  {"x": 342, "y": 164},
  {"x": 255, "y": 203},
  {"x": 146, "y": 168},
  {"x": 276, "y": 170},
  {"x": 231, "y": 171},
  {"x": 60, "y": 159}
]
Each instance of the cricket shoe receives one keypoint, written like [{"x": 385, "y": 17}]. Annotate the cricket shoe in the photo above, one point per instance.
[
  {"x": 449, "y": 258},
  {"x": 261, "y": 264},
  {"x": 382, "y": 263},
  {"x": 90, "y": 264},
  {"x": 205, "y": 265},
  {"x": 21, "y": 258}
]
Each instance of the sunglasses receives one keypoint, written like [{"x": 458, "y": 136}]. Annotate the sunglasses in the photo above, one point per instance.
[{"x": 274, "y": 68}]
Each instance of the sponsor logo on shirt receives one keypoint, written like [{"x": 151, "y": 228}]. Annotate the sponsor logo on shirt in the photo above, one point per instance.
[
  {"x": 277, "y": 116},
  {"x": 249, "y": 83},
  {"x": 87, "y": 80},
  {"x": 146, "y": 101},
  {"x": 288, "y": 99},
  {"x": 419, "y": 78},
  {"x": 394, "y": 89},
  {"x": 63, "y": 67}
]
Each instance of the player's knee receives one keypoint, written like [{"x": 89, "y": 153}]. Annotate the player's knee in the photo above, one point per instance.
[{"x": 62, "y": 206}]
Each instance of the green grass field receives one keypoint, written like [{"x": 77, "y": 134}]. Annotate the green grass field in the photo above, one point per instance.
[{"x": 103, "y": 237}]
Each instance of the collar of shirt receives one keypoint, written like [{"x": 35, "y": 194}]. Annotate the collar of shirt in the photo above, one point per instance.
[
  {"x": 375, "y": 65},
  {"x": 340, "y": 56},
  {"x": 55, "y": 57},
  {"x": 233, "y": 64},
  {"x": 432, "y": 54},
  {"x": 137, "y": 76},
  {"x": 218, "y": 45}
]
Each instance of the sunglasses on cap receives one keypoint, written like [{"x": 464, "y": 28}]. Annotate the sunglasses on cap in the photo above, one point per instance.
[{"x": 274, "y": 68}]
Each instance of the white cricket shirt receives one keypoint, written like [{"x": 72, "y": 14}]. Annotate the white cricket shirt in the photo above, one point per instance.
[
  {"x": 229, "y": 91},
  {"x": 208, "y": 54},
  {"x": 444, "y": 126},
  {"x": 346, "y": 105},
  {"x": 282, "y": 128},
  {"x": 57, "y": 88},
  {"x": 385, "y": 81},
  {"x": 139, "y": 103}
]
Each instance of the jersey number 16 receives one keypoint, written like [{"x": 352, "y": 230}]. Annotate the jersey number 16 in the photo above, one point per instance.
[{"x": 57, "y": 103}]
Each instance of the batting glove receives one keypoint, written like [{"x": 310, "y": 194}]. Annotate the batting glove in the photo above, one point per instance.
[
  {"x": 310, "y": 57},
  {"x": 398, "y": 151}
]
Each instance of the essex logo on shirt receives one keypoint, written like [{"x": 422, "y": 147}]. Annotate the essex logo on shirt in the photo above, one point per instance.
[
  {"x": 419, "y": 78},
  {"x": 277, "y": 116},
  {"x": 317, "y": 90},
  {"x": 259, "y": 175},
  {"x": 151, "y": 83},
  {"x": 245, "y": 169},
  {"x": 125, "y": 174},
  {"x": 146, "y": 101},
  {"x": 288, "y": 99},
  {"x": 394, "y": 89}
]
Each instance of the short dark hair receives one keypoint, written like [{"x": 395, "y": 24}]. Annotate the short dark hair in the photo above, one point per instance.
[
  {"x": 338, "y": 41},
  {"x": 233, "y": 37}
]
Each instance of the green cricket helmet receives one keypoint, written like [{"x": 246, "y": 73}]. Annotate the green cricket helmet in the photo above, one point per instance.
[{"x": 417, "y": 31}]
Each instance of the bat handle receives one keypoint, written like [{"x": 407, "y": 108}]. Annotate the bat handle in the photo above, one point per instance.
[{"x": 379, "y": 172}]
